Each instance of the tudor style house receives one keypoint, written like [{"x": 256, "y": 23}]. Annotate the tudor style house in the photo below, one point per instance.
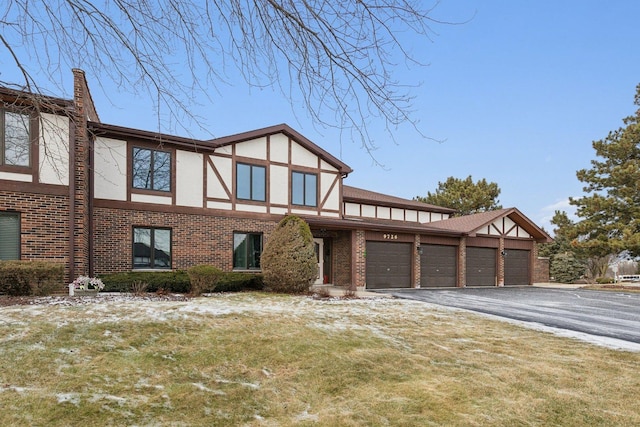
[{"x": 101, "y": 198}]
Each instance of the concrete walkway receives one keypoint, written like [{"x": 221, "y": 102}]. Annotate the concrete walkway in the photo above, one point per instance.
[{"x": 340, "y": 291}]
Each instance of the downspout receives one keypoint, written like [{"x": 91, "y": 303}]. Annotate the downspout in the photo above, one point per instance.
[
  {"x": 90, "y": 195},
  {"x": 72, "y": 199}
]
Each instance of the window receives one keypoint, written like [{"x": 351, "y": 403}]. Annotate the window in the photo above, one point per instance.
[
  {"x": 151, "y": 169},
  {"x": 251, "y": 182},
  {"x": 247, "y": 248},
  {"x": 151, "y": 247},
  {"x": 304, "y": 189},
  {"x": 9, "y": 235},
  {"x": 15, "y": 139}
]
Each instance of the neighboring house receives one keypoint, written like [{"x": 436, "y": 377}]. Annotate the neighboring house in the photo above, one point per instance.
[{"x": 101, "y": 198}]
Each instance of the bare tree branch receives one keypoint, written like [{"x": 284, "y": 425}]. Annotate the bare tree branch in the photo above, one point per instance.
[{"x": 337, "y": 58}]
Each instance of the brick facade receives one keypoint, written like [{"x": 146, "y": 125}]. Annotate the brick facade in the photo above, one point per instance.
[
  {"x": 195, "y": 239},
  {"x": 462, "y": 262},
  {"x": 80, "y": 183},
  {"x": 416, "y": 261},
  {"x": 341, "y": 258},
  {"x": 44, "y": 225},
  {"x": 63, "y": 223},
  {"x": 359, "y": 258}
]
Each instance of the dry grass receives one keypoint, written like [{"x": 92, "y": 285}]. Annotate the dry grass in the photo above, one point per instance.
[
  {"x": 253, "y": 359},
  {"x": 616, "y": 287}
]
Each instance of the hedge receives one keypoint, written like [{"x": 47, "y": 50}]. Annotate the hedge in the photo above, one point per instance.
[
  {"x": 178, "y": 281},
  {"x": 22, "y": 278}
]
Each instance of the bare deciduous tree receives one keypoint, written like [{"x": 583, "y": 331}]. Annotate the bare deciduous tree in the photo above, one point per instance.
[{"x": 337, "y": 56}]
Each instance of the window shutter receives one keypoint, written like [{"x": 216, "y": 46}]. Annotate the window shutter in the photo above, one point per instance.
[{"x": 9, "y": 236}]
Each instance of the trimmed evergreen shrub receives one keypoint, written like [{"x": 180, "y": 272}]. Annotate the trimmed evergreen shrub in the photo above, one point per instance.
[
  {"x": 203, "y": 278},
  {"x": 164, "y": 281},
  {"x": 21, "y": 278},
  {"x": 177, "y": 282},
  {"x": 288, "y": 261}
]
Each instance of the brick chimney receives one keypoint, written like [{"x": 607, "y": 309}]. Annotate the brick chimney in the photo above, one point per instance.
[{"x": 80, "y": 190}]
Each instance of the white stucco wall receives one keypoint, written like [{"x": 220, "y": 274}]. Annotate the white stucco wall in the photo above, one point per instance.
[
  {"x": 279, "y": 185},
  {"x": 12, "y": 176},
  {"x": 279, "y": 148},
  {"x": 397, "y": 214},
  {"x": 368, "y": 211},
  {"x": 333, "y": 199},
  {"x": 189, "y": 179},
  {"x": 147, "y": 198},
  {"x": 218, "y": 205},
  {"x": 110, "y": 166},
  {"x": 384, "y": 212},
  {"x": 300, "y": 156},
  {"x": 255, "y": 149},
  {"x": 327, "y": 167},
  {"x": 251, "y": 208},
  {"x": 352, "y": 209},
  {"x": 54, "y": 149},
  {"x": 411, "y": 215},
  {"x": 224, "y": 166}
]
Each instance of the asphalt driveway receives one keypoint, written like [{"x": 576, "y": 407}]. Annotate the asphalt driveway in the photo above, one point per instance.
[{"x": 607, "y": 314}]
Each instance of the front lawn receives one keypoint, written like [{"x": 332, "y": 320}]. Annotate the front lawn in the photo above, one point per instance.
[{"x": 256, "y": 359}]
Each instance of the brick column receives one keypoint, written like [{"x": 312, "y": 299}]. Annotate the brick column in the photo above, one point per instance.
[
  {"x": 501, "y": 262},
  {"x": 417, "y": 272},
  {"x": 80, "y": 177},
  {"x": 462, "y": 262},
  {"x": 540, "y": 266},
  {"x": 359, "y": 259}
]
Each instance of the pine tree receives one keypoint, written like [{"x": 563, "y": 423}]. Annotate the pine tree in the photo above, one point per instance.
[
  {"x": 465, "y": 196},
  {"x": 610, "y": 212}
]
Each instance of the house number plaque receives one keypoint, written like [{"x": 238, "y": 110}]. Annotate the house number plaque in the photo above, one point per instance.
[{"x": 390, "y": 236}]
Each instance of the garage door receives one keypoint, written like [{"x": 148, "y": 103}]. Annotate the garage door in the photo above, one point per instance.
[
  {"x": 481, "y": 266},
  {"x": 438, "y": 266},
  {"x": 388, "y": 265},
  {"x": 516, "y": 267}
]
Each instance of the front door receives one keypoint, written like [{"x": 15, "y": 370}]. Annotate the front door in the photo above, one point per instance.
[{"x": 319, "y": 246}]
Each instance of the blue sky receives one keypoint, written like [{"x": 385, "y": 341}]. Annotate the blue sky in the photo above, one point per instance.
[{"x": 517, "y": 94}]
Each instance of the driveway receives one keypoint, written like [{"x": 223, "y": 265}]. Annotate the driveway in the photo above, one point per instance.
[{"x": 607, "y": 314}]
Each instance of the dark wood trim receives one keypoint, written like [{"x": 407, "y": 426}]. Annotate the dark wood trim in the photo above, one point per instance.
[
  {"x": 483, "y": 242},
  {"x": 439, "y": 240},
  {"x": 187, "y": 210},
  {"x": 510, "y": 243},
  {"x": 37, "y": 188},
  {"x": 381, "y": 236}
]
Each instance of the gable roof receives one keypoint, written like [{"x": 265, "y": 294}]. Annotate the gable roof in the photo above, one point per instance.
[
  {"x": 211, "y": 144},
  {"x": 470, "y": 224},
  {"x": 291, "y": 133},
  {"x": 359, "y": 195}
]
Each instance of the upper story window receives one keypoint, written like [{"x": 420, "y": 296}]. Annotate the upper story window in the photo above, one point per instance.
[
  {"x": 15, "y": 138},
  {"x": 151, "y": 169},
  {"x": 304, "y": 189},
  {"x": 251, "y": 183}
]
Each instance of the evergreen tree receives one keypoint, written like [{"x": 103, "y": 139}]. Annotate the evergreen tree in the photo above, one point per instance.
[
  {"x": 610, "y": 212},
  {"x": 289, "y": 263},
  {"x": 465, "y": 196},
  {"x": 567, "y": 262}
]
